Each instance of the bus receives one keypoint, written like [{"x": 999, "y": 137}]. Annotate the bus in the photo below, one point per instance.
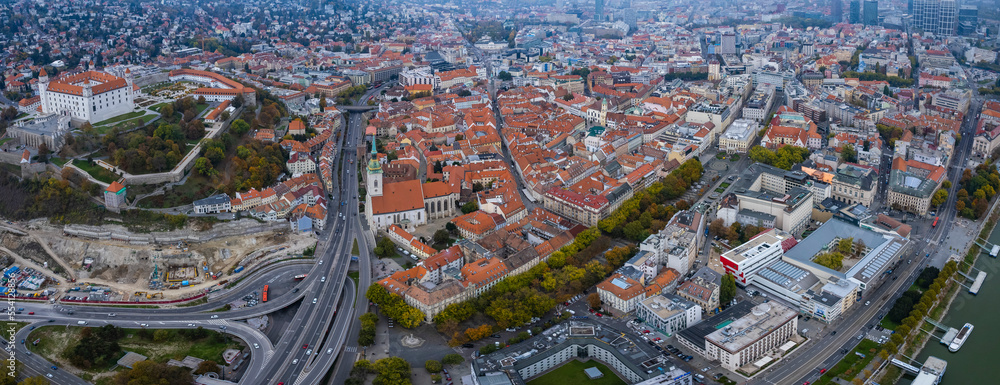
[
  {"x": 300, "y": 277},
  {"x": 263, "y": 294},
  {"x": 935, "y": 222}
]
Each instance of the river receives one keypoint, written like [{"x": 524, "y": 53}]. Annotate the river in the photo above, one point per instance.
[{"x": 972, "y": 363}]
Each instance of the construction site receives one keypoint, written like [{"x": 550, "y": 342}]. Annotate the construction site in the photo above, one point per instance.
[{"x": 107, "y": 263}]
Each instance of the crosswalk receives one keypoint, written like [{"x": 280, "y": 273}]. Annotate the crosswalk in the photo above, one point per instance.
[
  {"x": 351, "y": 349},
  {"x": 218, "y": 322}
]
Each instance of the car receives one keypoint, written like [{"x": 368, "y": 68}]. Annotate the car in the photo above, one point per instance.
[
  {"x": 656, "y": 339},
  {"x": 322, "y": 279},
  {"x": 599, "y": 314},
  {"x": 497, "y": 336},
  {"x": 55, "y": 367},
  {"x": 834, "y": 333},
  {"x": 646, "y": 331},
  {"x": 32, "y": 328},
  {"x": 707, "y": 368},
  {"x": 49, "y": 375},
  {"x": 295, "y": 290},
  {"x": 445, "y": 371},
  {"x": 309, "y": 351},
  {"x": 22, "y": 341},
  {"x": 868, "y": 303},
  {"x": 823, "y": 370},
  {"x": 305, "y": 346},
  {"x": 843, "y": 351},
  {"x": 329, "y": 351},
  {"x": 144, "y": 325},
  {"x": 315, "y": 299},
  {"x": 805, "y": 383},
  {"x": 33, "y": 313},
  {"x": 295, "y": 361},
  {"x": 214, "y": 316},
  {"x": 52, "y": 320},
  {"x": 190, "y": 325}
]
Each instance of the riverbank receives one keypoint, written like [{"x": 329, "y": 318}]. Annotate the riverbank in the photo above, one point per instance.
[{"x": 919, "y": 348}]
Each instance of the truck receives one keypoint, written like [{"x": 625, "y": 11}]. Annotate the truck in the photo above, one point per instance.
[{"x": 238, "y": 269}]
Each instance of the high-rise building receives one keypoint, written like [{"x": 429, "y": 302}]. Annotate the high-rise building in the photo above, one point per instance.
[
  {"x": 855, "y": 16},
  {"x": 837, "y": 10},
  {"x": 871, "y": 12},
  {"x": 936, "y": 16},
  {"x": 727, "y": 44},
  {"x": 598, "y": 9},
  {"x": 968, "y": 20}
]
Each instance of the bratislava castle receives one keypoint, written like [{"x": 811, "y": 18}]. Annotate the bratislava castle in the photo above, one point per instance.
[{"x": 90, "y": 96}]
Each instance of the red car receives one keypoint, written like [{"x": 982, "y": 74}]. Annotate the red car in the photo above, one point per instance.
[
  {"x": 305, "y": 346},
  {"x": 656, "y": 339},
  {"x": 821, "y": 371},
  {"x": 31, "y": 313},
  {"x": 646, "y": 331},
  {"x": 599, "y": 314}
]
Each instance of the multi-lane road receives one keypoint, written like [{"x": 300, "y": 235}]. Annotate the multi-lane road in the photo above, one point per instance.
[{"x": 323, "y": 330}]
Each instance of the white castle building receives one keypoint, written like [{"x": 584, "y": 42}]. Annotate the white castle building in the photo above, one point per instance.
[{"x": 90, "y": 96}]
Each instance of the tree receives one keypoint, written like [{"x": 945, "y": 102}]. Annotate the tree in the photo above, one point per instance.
[
  {"x": 505, "y": 76},
  {"x": 940, "y": 196},
  {"x": 239, "y": 127},
  {"x": 849, "y": 154},
  {"x": 718, "y": 228},
  {"x": 167, "y": 112},
  {"x": 433, "y": 366},
  {"x": 322, "y": 103},
  {"x": 594, "y": 300},
  {"x": 442, "y": 237},
  {"x": 385, "y": 248},
  {"x": 469, "y": 207},
  {"x": 204, "y": 167},
  {"x": 452, "y": 359},
  {"x": 43, "y": 153},
  {"x": 728, "y": 289},
  {"x": 845, "y": 245},
  {"x": 161, "y": 335},
  {"x": 207, "y": 367},
  {"x": 238, "y": 101}
]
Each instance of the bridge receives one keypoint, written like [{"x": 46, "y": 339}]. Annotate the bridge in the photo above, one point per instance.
[
  {"x": 986, "y": 245},
  {"x": 357, "y": 108}
]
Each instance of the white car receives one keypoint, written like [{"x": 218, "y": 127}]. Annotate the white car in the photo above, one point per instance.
[
  {"x": 322, "y": 279},
  {"x": 329, "y": 351},
  {"x": 315, "y": 299},
  {"x": 256, "y": 346},
  {"x": 295, "y": 361},
  {"x": 214, "y": 316}
]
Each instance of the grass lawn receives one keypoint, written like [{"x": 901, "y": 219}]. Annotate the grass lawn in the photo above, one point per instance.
[
  {"x": 196, "y": 187},
  {"x": 119, "y": 118},
  {"x": 888, "y": 324},
  {"x": 5, "y": 140},
  {"x": 21, "y": 115},
  {"x": 100, "y": 173},
  {"x": 354, "y": 248},
  {"x": 201, "y": 108},
  {"x": 356, "y": 276},
  {"x": 157, "y": 107},
  {"x": 57, "y": 161},
  {"x": 724, "y": 185},
  {"x": 720, "y": 190},
  {"x": 572, "y": 373},
  {"x": 125, "y": 125}
]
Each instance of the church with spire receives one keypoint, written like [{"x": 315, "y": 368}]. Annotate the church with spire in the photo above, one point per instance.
[{"x": 407, "y": 204}]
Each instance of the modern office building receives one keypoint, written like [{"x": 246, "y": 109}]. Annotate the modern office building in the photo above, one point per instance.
[
  {"x": 871, "y": 12},
  {"x": 668, "y": 314},
  {"x": 936, "y": 16},
  {"x": 968, "y": 19},
  {"x": 746, "y": 259},
  {"x": 855, "y": 12},
  {"x": 750, "y": 333}
]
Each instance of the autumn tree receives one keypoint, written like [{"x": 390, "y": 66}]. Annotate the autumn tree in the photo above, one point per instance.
[{"x": 594, "y": 300}]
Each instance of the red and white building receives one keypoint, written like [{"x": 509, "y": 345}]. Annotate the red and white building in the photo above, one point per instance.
[{"x": 746, "y": 259}]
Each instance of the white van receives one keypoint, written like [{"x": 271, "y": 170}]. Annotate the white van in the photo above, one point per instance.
[{"x": 81, "y": 322}]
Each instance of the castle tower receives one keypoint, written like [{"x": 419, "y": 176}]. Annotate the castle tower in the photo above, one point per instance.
[
  {"x": 43, "y": 85},
  {"x": 374, "y": 174},
  {"x": 128, "y": 79}
]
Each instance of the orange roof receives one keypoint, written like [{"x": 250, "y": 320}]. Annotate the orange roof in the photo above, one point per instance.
[
  {"x": 106, "y": 82},
  {"x": 115, "y": 187},
  {"x": 398, "y": 197},
  {"x": 296, "y": 125}
]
